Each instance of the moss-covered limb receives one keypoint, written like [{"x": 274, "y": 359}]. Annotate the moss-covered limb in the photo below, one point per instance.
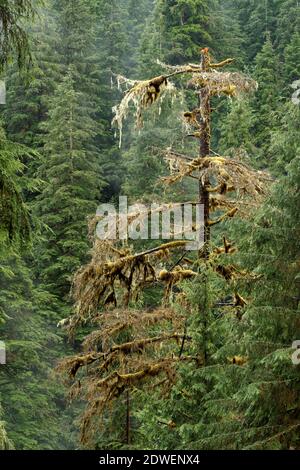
[
  {"x": 221, "y": 64},
  {"x": 210, "y": 78},
  {"x": 73, "y": 364},
  {"x": 144, "y": 93},
  {"x": 113, "y": 268},
  {"x": 112, "y": 322},
  {"x": 136, "y": 345},
  {"x": 227, "y": 248},
  {"x": 102, "y": 392},
  {"x": 231, "y": 272},
  {"x": 170, "y": 278},
  {"x": 95, "y": 284},
  {"x": 141, "y": 94},
  {"x": 145, "y": 370},
  {"x": 194, "y": 68},
  {"x": 221, "y": 203},
  {"x": 228, "y": 214},
  {"x": 179, "y": 69},
  {"x": 221, "y": 188},
  {"x": 231, "y": 174},
  {"x": 219, "y": 82},
  {"x": 155, "y": 369},
  {"x": 166, "y": 246}
]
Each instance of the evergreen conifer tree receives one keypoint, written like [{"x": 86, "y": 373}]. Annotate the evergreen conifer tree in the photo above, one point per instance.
[
  {"x": 292, "y": 59},
  {"x": 116, "y": 276},
  {"x": 257, "y": 20},
  {"x": 33, "y": 405},
  {"x": 237, "y": 129},
  {"x": 14, "y": 214},
  {"x": 73, "y": 183},
  {"x": 288, "y": 23},
  {"x": 269, "y": 77},
  {"x": 183, "y": 26}
]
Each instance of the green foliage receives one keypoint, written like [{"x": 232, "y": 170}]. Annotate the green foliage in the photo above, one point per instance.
[
  {"x": 184, "y": 26},
  {"x": 28, "y": 92},
  {"x": 14, "y": 215},
  {"x": 268, "y": 401},
  {"x": 237, "y": 128},
  {"x": 72, "y": 186},
  {"x": 292, "y": 59},
  {"x": 285, "y": 139},
  {"x": 267, "y": 97},
  {"x": 257, "y": 19},
  {"x": 112, "y": 55},
  {"x": 34, "y": 419},
  {"x": 288, "y": 22},
  {"x": 14, "y": 39}
]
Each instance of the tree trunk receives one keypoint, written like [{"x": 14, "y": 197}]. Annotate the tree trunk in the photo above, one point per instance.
[{"x": 204, "y": 150}]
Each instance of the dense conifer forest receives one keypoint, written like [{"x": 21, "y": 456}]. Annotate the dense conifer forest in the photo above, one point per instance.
[{"x": 147, "y": 344}]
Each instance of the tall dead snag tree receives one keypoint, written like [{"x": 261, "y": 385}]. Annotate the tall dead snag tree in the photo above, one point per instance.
[{"x": 128, "y": 347}]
